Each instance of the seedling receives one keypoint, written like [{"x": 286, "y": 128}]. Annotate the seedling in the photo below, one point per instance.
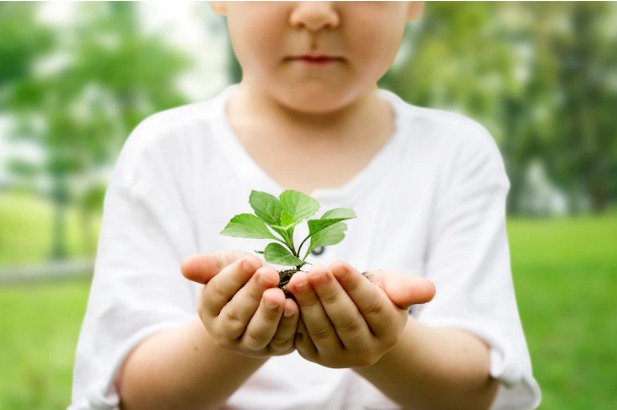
[{"x": 276, "y": 218}]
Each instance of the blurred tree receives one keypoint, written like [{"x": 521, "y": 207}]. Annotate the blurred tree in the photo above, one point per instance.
[
  {"x": 22, "y": 42},
  {"x": 540, "y": 76},
  {"x": 585, "y": 142},
  {"x": 460, "y": 58},
  {"x": 567, "y": 101},
  {"x": 102, "y": 77}
]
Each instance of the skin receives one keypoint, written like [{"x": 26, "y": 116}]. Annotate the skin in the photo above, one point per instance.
[
  {"x": 340, "y": 319},
  {"x": 266, "y": 37},
  {"x": 304, "y": 111},
  {"x": 245, "y": 312}
]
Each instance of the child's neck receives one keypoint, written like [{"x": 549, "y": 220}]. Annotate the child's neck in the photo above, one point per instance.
[{"x": 306, "y": 151}]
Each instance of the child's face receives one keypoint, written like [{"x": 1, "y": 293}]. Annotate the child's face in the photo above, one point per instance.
[{"x": 316, "y": 56}]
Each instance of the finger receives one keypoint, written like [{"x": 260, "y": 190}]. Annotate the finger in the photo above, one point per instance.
[
  {"x": 315, "y": 319},
  {"x": 219, "y": 291},
  {"x": 405, "y": 291},
  {"x": 263, "y": 325},
  {"x": 201, "y": 268},
  {"x": 304, "y": 344},
  {"x": 370, "y": 300},
  {"x": 350, "y": 326},
  {"x": 237, "y": 312},
  {"x": 283, "y": 340}
]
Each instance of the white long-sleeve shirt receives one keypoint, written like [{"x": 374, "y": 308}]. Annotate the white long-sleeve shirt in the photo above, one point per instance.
[{"x": 430, "y": 203}]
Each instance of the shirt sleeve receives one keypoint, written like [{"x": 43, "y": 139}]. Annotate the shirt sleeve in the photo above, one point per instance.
[
  {"x": 468, "y": 260},
  {"x": 137, "y": 288}
]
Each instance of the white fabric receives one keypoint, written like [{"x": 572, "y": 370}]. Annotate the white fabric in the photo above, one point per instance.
[{"x": 431, "y": 202}]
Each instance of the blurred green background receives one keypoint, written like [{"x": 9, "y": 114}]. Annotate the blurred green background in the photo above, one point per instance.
[{"x": 75, "y": 78}]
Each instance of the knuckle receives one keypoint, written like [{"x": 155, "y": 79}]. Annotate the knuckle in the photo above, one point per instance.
[
  {"x": 330, "y": 297},
  {"x": 352, "y": 325},
  {"x": 321, "y": 333},
  {"x": 230, "y": 313},
  {"x": 375, "y": 307},
  {"x": 279, "y": 342},
  {"x": 232, "y": 322},
  {"x": 215, "y": 291},
  {"x": 281, "y": 345},
  {"x": 255, "y": 341}
]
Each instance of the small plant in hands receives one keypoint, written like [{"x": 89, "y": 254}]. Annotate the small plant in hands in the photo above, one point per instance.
[{"x": 276, "y": 218}]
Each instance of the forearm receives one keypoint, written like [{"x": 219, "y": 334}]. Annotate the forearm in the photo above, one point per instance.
[
  {"x": 435, "y": 368},
  {"x": 182, "y": 369}
]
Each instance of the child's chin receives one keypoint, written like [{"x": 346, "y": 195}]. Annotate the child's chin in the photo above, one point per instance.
[{"x": 315, "y": 105}]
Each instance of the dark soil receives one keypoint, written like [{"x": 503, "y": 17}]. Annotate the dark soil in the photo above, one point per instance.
[{"x": 285, "y": 277}]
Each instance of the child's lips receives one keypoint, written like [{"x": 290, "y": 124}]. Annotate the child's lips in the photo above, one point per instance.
[{"x": 316, "y": 59}]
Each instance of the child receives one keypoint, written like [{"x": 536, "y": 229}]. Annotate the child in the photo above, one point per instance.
[{"x": 429, "y": 191}]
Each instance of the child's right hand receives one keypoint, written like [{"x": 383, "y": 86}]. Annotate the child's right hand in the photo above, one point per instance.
[{"x": 241, "y": 306}]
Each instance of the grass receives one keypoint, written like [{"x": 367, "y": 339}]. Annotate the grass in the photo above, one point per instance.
[
  {"x": 40, "y": 325},
  {"x": 565, "y": 273},
  {"x": 26, "y": 227}
]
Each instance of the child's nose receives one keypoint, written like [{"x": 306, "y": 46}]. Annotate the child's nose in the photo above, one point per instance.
[{"x": 314, "y": 15}]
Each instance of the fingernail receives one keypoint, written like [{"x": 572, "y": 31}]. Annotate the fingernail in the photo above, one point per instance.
[{"x": 288, "y": 313}]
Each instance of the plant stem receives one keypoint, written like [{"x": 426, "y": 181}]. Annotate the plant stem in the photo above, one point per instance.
[
  {"x": 288, "y": 236},
  {"x": 281, "y": 241},
  {"x": 283, "y": 234},
  {"x": 301, "y": 245},
  {"x": 291, "y": 241},
  {"x": 307, "y": 253}
]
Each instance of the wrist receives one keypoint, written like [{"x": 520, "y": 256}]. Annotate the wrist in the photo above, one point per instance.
[
  {"x": 181, "y": 367},
  {"x": 430, "y": 362}
]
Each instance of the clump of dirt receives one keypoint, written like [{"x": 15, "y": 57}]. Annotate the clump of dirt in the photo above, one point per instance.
[{"x": 285, "y": 277}]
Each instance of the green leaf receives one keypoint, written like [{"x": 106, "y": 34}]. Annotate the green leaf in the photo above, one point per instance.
[
  {"x": 296, "y": 207},
  {"x": 339, "y": 213},
  {"x": 330, "y": 218},
  {"x": 279, "y": 255},
  {"x": 330, "y": 235},
  {"x": 287, "y": 221},
  {"x": 266, "y": 206},
  {"x": 247, "y": 226}
]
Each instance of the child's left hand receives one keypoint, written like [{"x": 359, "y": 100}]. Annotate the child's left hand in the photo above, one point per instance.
[{"x": 347, "y": 321}]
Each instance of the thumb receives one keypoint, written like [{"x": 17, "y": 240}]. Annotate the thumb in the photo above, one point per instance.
[
  {"x": 202, "y": 267},
  {"x": 405, "y": 291}
]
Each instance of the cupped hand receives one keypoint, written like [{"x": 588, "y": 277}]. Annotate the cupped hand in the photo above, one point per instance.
[
  {"x": 240, "y": 306},
  {"x": 348, "y": 321}
]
